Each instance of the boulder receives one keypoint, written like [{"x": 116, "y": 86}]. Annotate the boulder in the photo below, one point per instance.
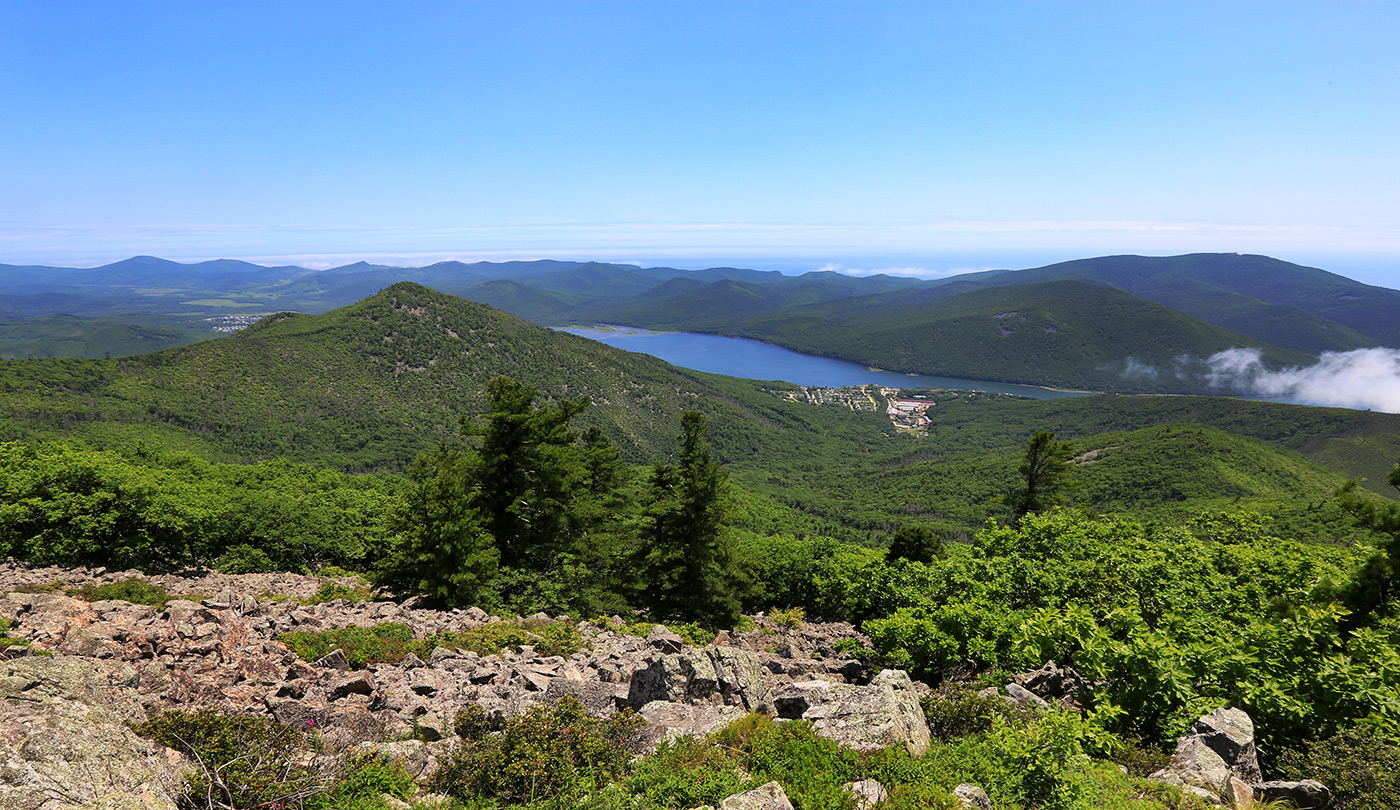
[
  {"x": 1230, "y": 733},
  {"x": 769, "y": 796},
  {"x": 884, "y": 713},
  {"x": 720, "y": 675},
  {"x": 670, "y": 721},
  {"x": 1304, "y": 795},
  {"x": 972, "y": 797},
  {"x": 64, "y": 742},
  {"x": 867, "y": 793}
]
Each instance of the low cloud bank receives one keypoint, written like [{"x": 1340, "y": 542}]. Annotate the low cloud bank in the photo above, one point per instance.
[{"x": 1363, "y": 378}]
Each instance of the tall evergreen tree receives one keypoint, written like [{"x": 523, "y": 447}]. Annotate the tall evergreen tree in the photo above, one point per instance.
[
  {"x": 1044, "y": 470},
  {"x": 690, "y": 565}
]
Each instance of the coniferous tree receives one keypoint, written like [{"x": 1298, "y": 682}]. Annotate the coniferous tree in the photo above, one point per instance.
[
  {"x": 443, "y": 550},
  {"x": 1044, "y": 469},
  {"x": 691, "y": 569}
]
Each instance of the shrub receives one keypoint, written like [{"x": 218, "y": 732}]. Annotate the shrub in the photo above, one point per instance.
[
  {"x": 688, "y": 773},
  {"x": 1360, "y": 766},
  {"x": 361, "y": 783},
  {"x": 550, "y": 752},
  {"x": 385, "y": 643},
  {"x": 690, "y": 631},
  {"x": 330, "y": 591},
  {"x": 239, "y": 761},
  {"x": 553, "y": 638},
  {"x": 962, "y": 712},
  {"x": 5, "y": 640},
  {"x": 245, "y": 559},
  {"x": 810, "y": 768},
  {"x": 135, "y": 591},
  {"x": 788, "y": 618}
]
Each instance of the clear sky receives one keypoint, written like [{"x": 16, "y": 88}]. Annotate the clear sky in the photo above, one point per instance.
[{"x": 793, "y": 135}]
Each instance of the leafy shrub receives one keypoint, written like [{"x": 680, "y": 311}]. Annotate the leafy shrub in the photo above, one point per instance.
[
  {"x": 692, "y": 632},
  {"x": 239, "y": 761},
  {"x": 810, "y": 768},
  {"x": 553, "y": 638},
  {"x": 385, "y": 643},
  {"x": 1138, "y": 758},
  {"x": 330, "y": 591},
  {"x": 5, "y": 640},
  {"x": 361, "y": 783},
  {"x": 472, "y": 723},
  {"x": 853, "y": 647},
  {"x": 1360, "y": 766},
  {"x": 41, "y": 587},
  {"x": 962, "y": 712},
  {"x": 135, "y": 591},
  {"x": 1048, "y": 760},
  {"x": 245, "y": 559},
  {"x": 550, "y": 752},
  {"x": 688, "y": 772},
  {"x": 788, "y": 618}
]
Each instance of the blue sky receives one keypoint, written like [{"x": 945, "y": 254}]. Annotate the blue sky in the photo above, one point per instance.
[{"x": 927, "y": 137}]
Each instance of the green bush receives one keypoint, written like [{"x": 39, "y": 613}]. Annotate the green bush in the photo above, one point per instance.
[
  {"x": 245, "y": 559},
  {"x": 330, "y": 591},
  {"x": 552, "y": 638},
  {"x": 385, "y": 643},
  {"x": 686, "y": 773},
  {"x": 788, "y": 618},
  {"x": 135, "y": 591},
  {"x": 690, "y": 631},
  {"x": 810, "y": 768},
  {"x": 962, "y": 712},
  {"x": 361, "y": 783},
  {"x": 551, "y": 752},
  {"x": 239, "y": 761},
  {"x": 1360, "y": 766}
]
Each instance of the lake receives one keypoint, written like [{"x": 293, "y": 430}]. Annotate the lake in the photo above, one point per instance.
[{"x": 739, "y": 357}]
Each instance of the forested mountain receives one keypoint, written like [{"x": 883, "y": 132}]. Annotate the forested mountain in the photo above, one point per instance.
[{"x": 1274, "y": 301}]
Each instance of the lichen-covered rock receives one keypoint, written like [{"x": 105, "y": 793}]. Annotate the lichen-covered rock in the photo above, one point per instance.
[
  {"x": 882, "y": 714},
  {"x": 1304, "y": 795},
  {"x": 64, "y": 741},
  {"x": 669, "y": 721},
  {"x": 768, "y": 796},
  {"x": 1230, "y": 733},
  {"x": 972, "y": 797},
  {"x": 720, "y": 675},
  {"x": 867, "y": 793}
]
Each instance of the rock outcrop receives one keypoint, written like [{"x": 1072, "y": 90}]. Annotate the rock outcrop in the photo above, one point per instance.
[
  {"x": 1218, "y": 762},
  {"x": 884, "y": 713},
  {"x": 64, "y": 741}
]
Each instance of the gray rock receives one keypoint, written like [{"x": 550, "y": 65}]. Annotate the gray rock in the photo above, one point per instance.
[
  {"x": 661, "y": 638},
  {"x": 1196, "y": 763},
  {"x": 1230, "y": 733},
  {"x": 600, "y": 699},
  {"x": 867, "y": 793},
  {"x": 884, "y": 713},
  {"x": 972, "y": 797},
  {"x": 1305, "y": 795},
  {"x": 356, "y": 683},
  {"x": 64, "y": 742},
  {"x": 670, "y": 721},
  {"x": 769, "y": 796},
  {"x": 1024, "y": 696},
  {"x": 335, "y": 659},
  {"x": 721, "y": 675}
]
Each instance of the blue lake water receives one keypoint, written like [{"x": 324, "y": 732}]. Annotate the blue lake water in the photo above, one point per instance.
[{"x": 751, "y": 359}]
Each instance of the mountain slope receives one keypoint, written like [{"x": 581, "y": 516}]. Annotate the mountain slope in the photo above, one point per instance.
[
  {"x": 370, "y": 385},
  {"x": 1297, "y": 307}
]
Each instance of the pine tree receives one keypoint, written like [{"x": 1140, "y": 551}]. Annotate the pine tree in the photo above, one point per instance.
[{"x": 690, "y": 564}]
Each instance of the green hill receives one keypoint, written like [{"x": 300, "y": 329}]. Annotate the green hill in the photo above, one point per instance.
[
  {"x": 1286, "y": 304},
  {"x": 70, "y": 336},
  {"x": 371, "y": 385}
]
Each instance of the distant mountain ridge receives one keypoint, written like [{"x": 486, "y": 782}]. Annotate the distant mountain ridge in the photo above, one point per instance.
[{"x": 1161, "y": 308}]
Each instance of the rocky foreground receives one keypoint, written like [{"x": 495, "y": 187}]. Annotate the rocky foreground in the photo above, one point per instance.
[{"x": 77, "y": 672}]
